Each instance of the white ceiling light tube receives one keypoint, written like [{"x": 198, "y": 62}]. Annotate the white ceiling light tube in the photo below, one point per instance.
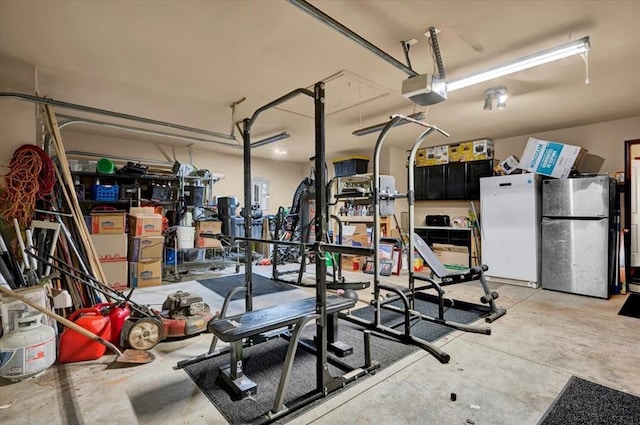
[{"x": 576, "y": 47}]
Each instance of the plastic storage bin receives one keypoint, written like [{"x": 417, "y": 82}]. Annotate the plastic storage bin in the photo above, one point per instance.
[
  {"x": 351, "y": 166},
  {"x": 105, "y": 192}
]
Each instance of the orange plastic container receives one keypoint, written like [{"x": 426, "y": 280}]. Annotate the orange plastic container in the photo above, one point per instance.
[{"x": 77, "y": 348}]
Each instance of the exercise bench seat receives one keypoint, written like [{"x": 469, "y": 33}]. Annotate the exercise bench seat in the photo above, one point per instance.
[
  {"x": 234, "y": 329},
  {"x": 449, "y": 277}
]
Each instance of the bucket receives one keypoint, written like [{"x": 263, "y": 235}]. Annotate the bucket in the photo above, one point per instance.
[
  {"x": 105, "y": 166},
  {"x": 185, "y": 236},
  {"x": 74, "y": 347}
]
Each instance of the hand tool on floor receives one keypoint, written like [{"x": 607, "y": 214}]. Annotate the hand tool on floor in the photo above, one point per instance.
[{"x": 126, "y": 356}]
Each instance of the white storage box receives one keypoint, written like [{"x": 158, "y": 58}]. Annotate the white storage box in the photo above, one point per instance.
[{"x": 551, "y": 159}]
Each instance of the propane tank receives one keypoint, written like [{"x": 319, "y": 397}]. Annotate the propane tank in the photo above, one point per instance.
[{"x": 29, "y": 350}]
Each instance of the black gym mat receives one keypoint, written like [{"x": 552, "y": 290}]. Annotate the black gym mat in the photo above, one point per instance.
[
  {"x": 461, "y": 312},
  {"x": 631, "y": 306},
  {"x": 263, "y": 364},
  {"x": 583, "y": 402},
  {"x": 261, "y": 285}
]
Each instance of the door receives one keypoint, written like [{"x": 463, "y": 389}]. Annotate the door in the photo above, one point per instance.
[
  {"x": 456, "y": 180},
  {"x": 574, "y": 256},
  {"x": 635, "y": 213},
  {"x": 583, "y": 197},
  {"x": 434, "y": 182},
  {"x": 509, "y": 224}
]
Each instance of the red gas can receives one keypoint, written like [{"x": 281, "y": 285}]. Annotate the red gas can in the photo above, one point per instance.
[
  {"x": 77, "y": 348},
  {"x": 118, "y": 314}
]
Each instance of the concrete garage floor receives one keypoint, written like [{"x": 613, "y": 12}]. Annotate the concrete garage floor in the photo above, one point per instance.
[{"x": 510, "y": 377}]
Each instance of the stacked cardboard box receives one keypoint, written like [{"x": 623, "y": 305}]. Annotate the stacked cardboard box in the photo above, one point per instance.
[
  {"x": 475, "y": 150},
  {"x": 210, "y": 228},
  {"x": 146, "y": 245},
  {"x": 551, "y": 159},
  {"x": 354, "y": 236},
  {"x": 110, "y": 240}
]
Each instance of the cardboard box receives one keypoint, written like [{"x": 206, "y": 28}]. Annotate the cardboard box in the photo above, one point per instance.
[
  {"x": 108, "y": 223},
  {"x": 452, "y": 256},
  {"x": 461, "y": 152},
  {"x": 144, "y": 222},
  {"x": 482, "y": 149},
  {"x": 211, "y": 228},
  {"x": 421, "y": 157},
  {"x": 352, "y": 262},
  {"x": 507, "y": 166},
  {"x": 145, "y": 273},
  {"x": 112, "y": 254},
  {"x": 436, "y": 155},
  {"x": 349, "y": 231},
  {"x": 110, "y": 248},
  {"x": 116, "y": 273},
  {"x": 145, "y": 248},
  {"x": 551, "y": 158}
]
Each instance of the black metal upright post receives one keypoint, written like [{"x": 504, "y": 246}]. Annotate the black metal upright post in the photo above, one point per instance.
[
  {"x": 246, "y": 138},
  {"x": 320, "y": 227}
]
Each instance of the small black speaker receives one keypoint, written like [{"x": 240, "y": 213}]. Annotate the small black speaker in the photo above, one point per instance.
[{"x": 438, "y": 220}]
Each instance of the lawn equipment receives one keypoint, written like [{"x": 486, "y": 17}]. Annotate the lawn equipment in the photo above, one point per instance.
[{"x": 182, "y": 314}]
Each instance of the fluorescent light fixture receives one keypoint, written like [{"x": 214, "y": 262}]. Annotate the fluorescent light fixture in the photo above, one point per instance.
[
  {"x": 272, "y": 139},
  {"x": 378, "y": 127},
  {"x": 576, "y": 47}
]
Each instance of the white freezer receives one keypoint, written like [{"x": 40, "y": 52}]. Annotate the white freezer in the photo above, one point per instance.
[{"x": 510, "y": 226}]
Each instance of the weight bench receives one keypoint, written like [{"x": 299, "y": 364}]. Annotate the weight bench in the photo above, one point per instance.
[
  {"x": 294, "y": 315},
  {"x": 450, "y": 277}
]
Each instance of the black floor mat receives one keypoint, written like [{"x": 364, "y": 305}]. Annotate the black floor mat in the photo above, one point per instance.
[
  {"x": 461, "y": 312},
  {"x": 583, "y": 402},
  {"x": 261, "y": 285},
  {"x": 263, "y": 364},
  {"x": 631, "y": 307}
]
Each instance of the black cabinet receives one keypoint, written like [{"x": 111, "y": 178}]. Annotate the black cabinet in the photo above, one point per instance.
[{"x": 454, "y": 181}]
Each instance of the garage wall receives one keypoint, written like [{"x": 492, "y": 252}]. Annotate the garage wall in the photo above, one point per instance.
[
  {"x": 283, "y": 177},
  {"x": 17, "y": 118}
]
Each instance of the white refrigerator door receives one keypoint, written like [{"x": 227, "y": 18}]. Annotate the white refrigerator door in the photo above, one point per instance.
[{"x": 510, "y": 226}]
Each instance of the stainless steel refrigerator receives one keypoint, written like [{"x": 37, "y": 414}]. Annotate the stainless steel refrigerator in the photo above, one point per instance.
[{"x": 577, "y": 235}]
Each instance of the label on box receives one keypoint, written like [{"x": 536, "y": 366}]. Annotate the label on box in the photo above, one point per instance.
[
  {"x": 145, "y": 273},
  {"x": 107, "y": 223},
  {"x": 145, "y": 225},
  {"x": 145, "y": 248}
]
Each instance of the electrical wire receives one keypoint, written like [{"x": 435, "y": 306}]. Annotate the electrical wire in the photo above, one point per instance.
[{"x": 31, "y": 177}]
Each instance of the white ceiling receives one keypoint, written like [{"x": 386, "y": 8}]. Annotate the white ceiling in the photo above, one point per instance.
[{"x": 186, "y": 62}]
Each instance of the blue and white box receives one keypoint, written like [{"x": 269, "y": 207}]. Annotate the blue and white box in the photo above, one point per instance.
[{"x": 551, "y": 159}]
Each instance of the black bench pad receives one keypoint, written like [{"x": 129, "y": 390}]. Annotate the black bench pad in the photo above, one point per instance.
[{"x": 251, "y": 323}]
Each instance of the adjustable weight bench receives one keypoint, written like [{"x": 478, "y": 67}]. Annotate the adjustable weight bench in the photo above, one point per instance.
[
  {"x": 295, "y": 315},
  {"x": 450, "y": 277}
]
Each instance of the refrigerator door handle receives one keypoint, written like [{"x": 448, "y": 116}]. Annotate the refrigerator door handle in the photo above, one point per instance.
[{"x": 504, "y": 184}]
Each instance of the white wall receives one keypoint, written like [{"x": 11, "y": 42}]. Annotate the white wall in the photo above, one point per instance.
[{"x": 17, "y": 118}]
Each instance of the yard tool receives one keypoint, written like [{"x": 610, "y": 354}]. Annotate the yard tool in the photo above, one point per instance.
[
  {"x": 182, "y": 314},
  {"x": 126, "y": 356}
]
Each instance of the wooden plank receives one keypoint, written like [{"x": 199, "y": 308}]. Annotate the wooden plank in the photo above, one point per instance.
[{"x": 70, "y": 196}]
